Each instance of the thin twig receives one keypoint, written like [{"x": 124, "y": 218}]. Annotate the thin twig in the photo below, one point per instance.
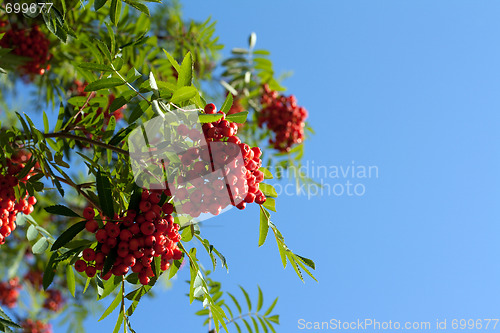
[
  {"x": 85, "y": 139},
  {"x": 77, "y": 188},
  {"x": 123, "y": 305},
  {"x": 129, "y": 85},
  {"x": 91, "y": 95}
]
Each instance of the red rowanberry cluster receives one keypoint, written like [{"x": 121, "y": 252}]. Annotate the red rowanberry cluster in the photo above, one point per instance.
[
  {"x": 248, "y": 176},
  {"x": 239, "y": 178},
  {"x": 31, "y": 43},
  {"x": 35, "y": 277},
  {"x": 54, "y": 301},
  {"x": 9, "y": 292},
  {"x": 8, "y": 205},
  {"x": 135, "y": 239},
  {"x": 284, "y": 117},
  {"x": 30, "y": 326}
]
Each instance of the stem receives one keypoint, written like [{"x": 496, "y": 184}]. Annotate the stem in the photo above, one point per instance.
[
  {"x": 123, "y": 305},
  {"x": 234, "y": 319},
  {"x": 91, "y": 95},
  {"x": 78, "y": 189},
  {"x": 129, "y": 85},
  {"x": 85, "y": 139},
  {"x": 209, "y": 320}
]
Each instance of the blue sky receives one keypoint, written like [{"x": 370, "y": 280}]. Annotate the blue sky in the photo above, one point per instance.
[{"x": 410, "y": 87}]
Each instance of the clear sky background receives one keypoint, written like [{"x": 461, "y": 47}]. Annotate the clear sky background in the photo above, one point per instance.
[{"x": 411, "y": 87}]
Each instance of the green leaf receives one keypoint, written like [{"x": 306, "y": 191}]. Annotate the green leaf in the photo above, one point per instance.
[
  {"x": 229, "y": 87},
  {"x": 87, "y": 283},
  {"x": 113, "y": 12},
  {"x": 268, "y": 190},
  {"x": 79, "y": 243},
  {"x": 138, "y": 111},
  {"x": 260, "y": 300},
  {"x": 249, "y": 303},
  {"x": 98, "y": 4},
  {"x": 307, "y": 261},
  {"x": 187, "y": 233},
  {"x": 103, "y": 48},
  {"x": 255, "y": 325},
  {"x": 61, "y": 210},
  {"x": 227, "y": 103},
  {"x": 139, "y": 6},
  {"x": 108, "y": 263},
  {"x": 275, "y": 319},
  {"x": 78, "y": 101},
  {"x": 266, "y": 172},
  {"x": 138, "y": 293},
  {"x": 40, "y": 246},
  {"x": 119, "y": 322},
  {"x": 238, "y": 50},
  {"x": 68, "y": 235},
  {"x": 133, "y": 75},
  {"x": 239, "y": 117},
  {"x": 298, "y": 262},
  {"x": 172, "y": 61},
  {"x": 121, "y": 135},
  {"x": 270, "y": 204},
  {"x": 282, "y": 252},
  {"x": 183, "y": 94},
  {"x": 247, "y": 325},
  {"x": 153, "y": 85},
  {"x": 50, "y": 270},
  {"x": 70, "y": 279},
  {"x": 186, "y": 71},
  {"x": 103, "y": 84},
  {"x": 208, "y": 118},
  {"x": 110, "y": 286},
  {"x": 263, "y": 324},
  {"x": 133, "y": 278},
  {"x": 104, "y": 193},
  {"x": 264, "y": 226},
  {"x": 121, "y": 100},
  {"x": 60, "y": 118},
  {"x": 95, "y": 67},
  {"x": 235, "y": 302},
  {"x": 156, "y": 266},
  {"x": 262, "y": 52},
  {"x": 166, "y": 88},
  {"x": 31, "y": 233},
  {"x": 112, "y": 45},
  {"x": 203, "y": 312},
  {"x": 112, "y": 306},
  {"x": 45, "y": 122},
  {"x": 4, "y": 319}
]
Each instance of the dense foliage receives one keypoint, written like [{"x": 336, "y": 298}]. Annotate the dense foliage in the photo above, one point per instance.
[{"x": 149, "y": 132}]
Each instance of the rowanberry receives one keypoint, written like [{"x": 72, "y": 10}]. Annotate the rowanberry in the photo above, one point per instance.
[
  {"x": 88, "y": 213},
  {"x": 210, "y": 108},
  {"x": 168, "y": 208},
  {"x": 148, "y": 228},
  {"x": 101, "y": 236},
  {"x": 145, "y": 206},
  {"x": 89, "y": 254},
  {"x": 91, "y": 226},
  {"x": 90, "y": 271},
  {"x": 80, "y": 265}
]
